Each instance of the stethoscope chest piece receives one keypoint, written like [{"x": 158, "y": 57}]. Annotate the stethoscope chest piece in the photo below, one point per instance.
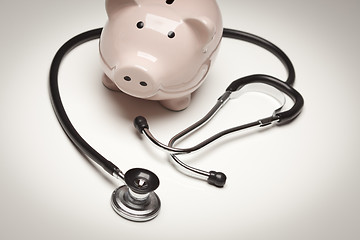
[{"x": 137, "y": 201}]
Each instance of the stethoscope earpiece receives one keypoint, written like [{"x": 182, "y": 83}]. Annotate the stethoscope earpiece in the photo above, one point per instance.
[
  {"x": 137, "y": 201},
  {"x": 217, "y": 179}
]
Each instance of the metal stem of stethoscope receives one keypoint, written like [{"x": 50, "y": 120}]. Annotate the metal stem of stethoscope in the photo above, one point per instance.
[
  {"x": 215, "y": 178},
  {"x": 141, "y": 124},
  {"x": 212, "y": 177}
]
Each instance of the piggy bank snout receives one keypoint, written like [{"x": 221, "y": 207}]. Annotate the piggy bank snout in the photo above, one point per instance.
[{"x": 136, "y": 81}]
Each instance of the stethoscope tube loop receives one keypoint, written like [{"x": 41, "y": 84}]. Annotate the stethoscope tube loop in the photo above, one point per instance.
[
  {"x": 283, "y": 117},
  {"x": 60, "y": 112},
  {"x": 261, "y": 42},
  {"x": 136, "y": 201},
  {"x": 142, "y": 126}
]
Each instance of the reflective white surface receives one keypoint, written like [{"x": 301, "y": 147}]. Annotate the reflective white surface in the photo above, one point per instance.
[{"x": 300, "y": 181}]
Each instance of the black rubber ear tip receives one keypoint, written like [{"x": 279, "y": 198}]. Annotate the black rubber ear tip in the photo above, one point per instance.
[
  {"x": 140, "y": 124},
  {"x": 141, "y": 181},
  {"x": 217, "y": 179}
]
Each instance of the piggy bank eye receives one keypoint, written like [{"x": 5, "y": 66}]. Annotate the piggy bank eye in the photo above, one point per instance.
[
  {"x": 140, "y": 25},
  {"x": 170, "y": 1},
  {"x": 171, "y": 34}
]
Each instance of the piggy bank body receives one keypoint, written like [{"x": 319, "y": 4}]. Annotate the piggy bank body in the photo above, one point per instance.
[{"x": 160, "y": 49}]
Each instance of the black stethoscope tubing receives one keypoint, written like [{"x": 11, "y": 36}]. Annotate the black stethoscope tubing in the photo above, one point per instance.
[
  {"x": 60, "y": 112},
  {"x": 261, "y": 42},
  {"x": 111, "y": 168}
]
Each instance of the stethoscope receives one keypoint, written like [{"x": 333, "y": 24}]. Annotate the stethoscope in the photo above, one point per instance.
[{"x": 136, "y": 200}]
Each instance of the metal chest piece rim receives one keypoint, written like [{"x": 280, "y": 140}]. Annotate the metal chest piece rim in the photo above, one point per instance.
[{"x": 137, "y": 201}]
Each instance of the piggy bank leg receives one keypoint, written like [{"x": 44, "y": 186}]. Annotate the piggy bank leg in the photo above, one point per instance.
[
  {"x": 177, "y": 104},
  {"x": 109, "y": 84}
]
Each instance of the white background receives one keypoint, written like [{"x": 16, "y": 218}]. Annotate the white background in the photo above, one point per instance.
[{"x": 299, "y": 181}]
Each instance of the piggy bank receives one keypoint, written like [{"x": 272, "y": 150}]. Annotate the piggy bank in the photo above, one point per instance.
[{"x": 160, "y": 49}]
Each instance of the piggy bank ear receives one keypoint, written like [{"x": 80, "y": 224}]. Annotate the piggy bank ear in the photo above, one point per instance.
[
  {"x": 203, "y": 27},
  {"x": 113, "y": 6}
]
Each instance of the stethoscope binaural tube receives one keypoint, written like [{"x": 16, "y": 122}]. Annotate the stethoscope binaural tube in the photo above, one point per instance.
[
  {"x": 218, "y": 178},
  {"x": 283, "y": 117},
  {"x": 60, "y": 112}
]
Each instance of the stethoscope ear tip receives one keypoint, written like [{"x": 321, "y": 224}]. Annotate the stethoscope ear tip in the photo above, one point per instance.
[
  {"x": 140, "y": 124},
  {"x": 217, "y": 179}
]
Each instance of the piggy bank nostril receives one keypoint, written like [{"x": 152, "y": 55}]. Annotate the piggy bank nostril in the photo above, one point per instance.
[
  {"x": 144, "y": 84},
  {"x": 127, "y": 78},
  {"x": 170, "y": 1},
  {"x": 171, "y": 34},
  {"x": 140, "y": 25}
]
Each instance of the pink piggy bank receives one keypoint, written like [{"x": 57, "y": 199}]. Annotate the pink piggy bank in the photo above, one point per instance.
[{"x": 160, "y": 49}]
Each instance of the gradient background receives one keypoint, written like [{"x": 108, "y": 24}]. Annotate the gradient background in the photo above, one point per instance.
[{"x": 300, "y": 181}]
